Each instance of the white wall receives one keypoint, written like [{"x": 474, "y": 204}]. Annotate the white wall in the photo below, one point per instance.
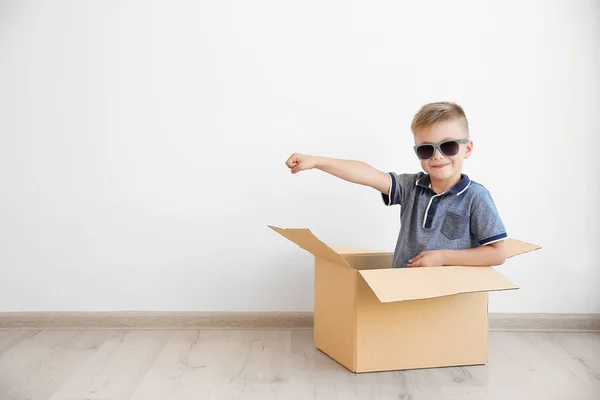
[{"x": 142, "y": 144}]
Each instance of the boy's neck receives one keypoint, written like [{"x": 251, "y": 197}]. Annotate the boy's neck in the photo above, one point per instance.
[{"x": 443, "y": 185}]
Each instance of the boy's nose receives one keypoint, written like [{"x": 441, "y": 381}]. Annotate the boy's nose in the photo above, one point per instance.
[{"x": 437, "y": 155}]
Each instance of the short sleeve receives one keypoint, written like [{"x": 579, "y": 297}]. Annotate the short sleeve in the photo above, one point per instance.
[
  {"x": 400, "y": 184},
  {"x": 486, "y": 224}
]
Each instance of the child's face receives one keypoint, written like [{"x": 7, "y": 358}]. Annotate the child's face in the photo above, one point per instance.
[{"x": 440, "y": 166}]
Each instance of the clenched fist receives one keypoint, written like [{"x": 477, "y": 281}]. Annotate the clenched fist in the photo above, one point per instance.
[{"x": 300, "y": 162}]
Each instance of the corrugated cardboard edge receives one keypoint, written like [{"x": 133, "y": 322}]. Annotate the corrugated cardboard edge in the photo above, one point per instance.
[
  {"x": 399, "y": 284},
  {"x": 345, "y": 251},
  {"x": 258, "y": 320},
  {"x": 306, "y": 240}
]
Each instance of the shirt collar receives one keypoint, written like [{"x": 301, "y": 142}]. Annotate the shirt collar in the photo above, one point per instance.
[{"x": 458, "y": 189}]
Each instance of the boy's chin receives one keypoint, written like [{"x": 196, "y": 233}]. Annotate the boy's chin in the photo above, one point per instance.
[{"x": 443, "y": 173}]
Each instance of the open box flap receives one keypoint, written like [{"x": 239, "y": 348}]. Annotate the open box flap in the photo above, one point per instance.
[
  {"x": 352, "y": 251},
  {"x": 309, "y": 242},
  {"x": 515, "y": 247},
  {"x": 402, "y": 284}
]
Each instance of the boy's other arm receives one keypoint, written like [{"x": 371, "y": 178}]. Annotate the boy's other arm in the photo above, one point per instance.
[
  {"x": 352, "y": 171},
  {"x": 483, "y": 256}
]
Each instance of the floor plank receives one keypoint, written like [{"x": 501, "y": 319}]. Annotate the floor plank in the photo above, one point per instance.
[
  {"x": 57, "y": 366},
  {"x": 278, "y": 364},
  {"x": 9, "y": 339},
  {"x": 177, "y": 368},
  {"x": 532, "y": 363},
  {"x": 117, "y": 368},
  {"x": 584, "y": 347},
  {"x": 25, "y": 359}
]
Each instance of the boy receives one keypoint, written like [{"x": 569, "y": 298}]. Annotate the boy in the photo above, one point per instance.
[{"x": 446, "y": 219}]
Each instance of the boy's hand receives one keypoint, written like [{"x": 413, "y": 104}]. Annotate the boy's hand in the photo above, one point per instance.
[
  {"x": 300, "y": 162},
  {"x": 434, "y": 258}
]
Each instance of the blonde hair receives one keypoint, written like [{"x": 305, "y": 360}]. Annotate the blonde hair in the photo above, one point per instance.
[{"x": 434, "y": 113}]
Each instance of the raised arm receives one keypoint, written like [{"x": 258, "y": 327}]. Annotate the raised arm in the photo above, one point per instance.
[{"x": 352, "y": 171}]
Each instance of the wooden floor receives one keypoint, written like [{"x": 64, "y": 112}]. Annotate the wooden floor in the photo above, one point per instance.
[{"x": 250, "y": 364}]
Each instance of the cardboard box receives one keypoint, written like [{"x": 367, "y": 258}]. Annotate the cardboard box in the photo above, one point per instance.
[{"x": 371, "y": 317}]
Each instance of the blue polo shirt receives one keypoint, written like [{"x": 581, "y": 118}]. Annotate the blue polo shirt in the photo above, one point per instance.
[{"x": 461, "y": 218}]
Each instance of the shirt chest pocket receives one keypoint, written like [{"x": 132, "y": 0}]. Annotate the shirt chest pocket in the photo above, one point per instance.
[{"x": 454, "y": 225}]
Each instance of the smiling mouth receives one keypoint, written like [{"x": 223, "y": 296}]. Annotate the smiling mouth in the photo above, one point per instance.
[{"x": 439, "y": 166}]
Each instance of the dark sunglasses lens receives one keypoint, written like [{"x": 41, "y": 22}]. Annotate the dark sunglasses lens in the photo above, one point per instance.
[
  {"x": 449, "y": 148},
  {"x": 424, "y": 152}
]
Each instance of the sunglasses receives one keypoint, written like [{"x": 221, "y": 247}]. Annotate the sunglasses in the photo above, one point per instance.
[{"x": 448, "y": 148}]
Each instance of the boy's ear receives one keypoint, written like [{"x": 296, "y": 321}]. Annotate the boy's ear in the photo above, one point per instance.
[{"x": 469, "y": 149}]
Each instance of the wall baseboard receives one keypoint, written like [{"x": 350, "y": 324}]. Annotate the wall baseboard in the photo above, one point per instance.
[
  {"x": 156, "y": 320},
  {"x": 545, "y": 322},
  {"x": 259, "y": 320}
]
